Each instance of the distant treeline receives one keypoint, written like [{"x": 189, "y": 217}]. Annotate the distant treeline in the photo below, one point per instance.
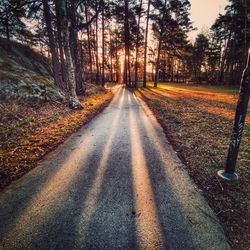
[{"x": 129, "y": 41}]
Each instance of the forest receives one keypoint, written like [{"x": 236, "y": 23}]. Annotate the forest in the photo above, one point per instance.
[
  {"x": 119, "y": 130},
  {"x": 128, "y": 41}
]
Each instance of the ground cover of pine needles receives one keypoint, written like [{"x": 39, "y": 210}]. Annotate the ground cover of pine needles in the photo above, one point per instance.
[
  {"x": 28, "y": 133},
  {"x": 198, "y": 122}
]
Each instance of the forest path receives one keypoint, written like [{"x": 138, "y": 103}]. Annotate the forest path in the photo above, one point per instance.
[{"x": 115, "y": 184}]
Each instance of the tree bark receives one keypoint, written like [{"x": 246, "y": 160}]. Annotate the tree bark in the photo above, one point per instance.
[
  {"x": 103, "y": 48},
  {"x": 111, "y": 69},
  {"x": 89, "y": 42},
  {"x": 157, "y": 63},
  {"x": 137, "y": 45},
  {"x": 159, "y": 49},
  {"x": 129, "y": 71},
  {"x": 96, "y": 47},
  {"x": 117, "y": 69},
  {"x": 52, "y": 45},
  {"x": 80, "y": 86},
  {"x": 74, "y": 102},
  {"x": 146, "y": 48},
  {"x": 111, "y": 58},
  {"x": 61, "y": 52},
  {"x": 127, "y": 77},
  {"x": 222, "y": 66}
]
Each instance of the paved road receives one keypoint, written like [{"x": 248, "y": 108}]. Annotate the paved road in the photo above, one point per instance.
[{"x": 115, "y": 184}]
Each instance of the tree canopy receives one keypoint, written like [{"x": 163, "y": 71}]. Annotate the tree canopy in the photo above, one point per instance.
[{"x": 100, "y": 40}]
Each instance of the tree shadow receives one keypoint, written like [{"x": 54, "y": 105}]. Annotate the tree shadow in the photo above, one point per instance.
[
  {"x": 111, "y": 225},
  {"x": 102, "y": 200},
  {"x": 180, "y": 208},
  {"x": 224, "y": 111},
  {"x": 179, "y": 95},
  {"x": 50, "y": 189},
  {"x": 173, "y": 225}
]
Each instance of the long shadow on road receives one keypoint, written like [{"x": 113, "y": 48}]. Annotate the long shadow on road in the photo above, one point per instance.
[
  {"x": 111, "y": 225},
  {"x": 93, "y": 212},
  {"x": 116, "y": 188},
  {"x": 185, "y": 219},
  {"x": 50, "y": 211}
]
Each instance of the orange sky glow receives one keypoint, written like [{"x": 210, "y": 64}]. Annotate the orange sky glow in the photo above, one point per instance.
[{"x": 204, "y": 13}]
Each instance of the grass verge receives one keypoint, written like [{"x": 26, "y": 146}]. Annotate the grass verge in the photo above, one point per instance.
[
  {"x": 27, "y": 134},
  {"x": 198, "y": 122}
]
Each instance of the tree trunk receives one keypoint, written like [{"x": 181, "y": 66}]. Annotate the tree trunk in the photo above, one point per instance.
[
  {"x": 111, "y": 59},
  {"x": 222, "y": 66},
  {"x": 61, "y": 52},
  {"x": 117, "y": 70},
  {"x": 137, "y": 46},
  {"x": 52, "y": 44},
  {"x": 129, "y": 71},
  {"x": 96, "y": 47},
  {"x": 146, "y": 49},
  {"x": 80, "y": 88},
  {"x": 125, "y": 71},
  {"x": 111, "y": 68},
  {"x": 74, "y": 102},
  {"x": 89, "y": 42},
  {"x": 127, "y": 46},
  {"x": 103, "y": 49},
  {"x": 157, "y": 67}
]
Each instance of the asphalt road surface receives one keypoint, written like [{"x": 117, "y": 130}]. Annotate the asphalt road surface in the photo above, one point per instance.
[{"x": 115, "y": 184}]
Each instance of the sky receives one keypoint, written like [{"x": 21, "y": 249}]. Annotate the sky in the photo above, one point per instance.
[{"x": 204, "y": 13}]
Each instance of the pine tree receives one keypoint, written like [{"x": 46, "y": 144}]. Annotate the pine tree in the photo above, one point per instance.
[
  {"x": 139, "y": 14},
  {"x": 233, "y": 28},
  {"x": 52, "y": 44},
  {"x": 74, "y": 102},
  {"x": 199, "y": 55},
  {"x": 11, "y": 14},
  {"x": 170, "y": 23}
]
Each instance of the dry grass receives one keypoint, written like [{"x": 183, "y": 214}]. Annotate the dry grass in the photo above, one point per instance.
[
  {"x": 27, "y": 134},
  {"x": 198, "y": 122}
]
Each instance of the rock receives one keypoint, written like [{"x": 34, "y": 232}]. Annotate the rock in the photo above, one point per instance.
[
  {"x": 30, "y": 93},
  {"x": 25, "y": 76},
  {"x": 75, "y": 104}
]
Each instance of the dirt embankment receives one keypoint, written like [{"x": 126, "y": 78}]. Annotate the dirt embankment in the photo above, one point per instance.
[{"x": 28, "y": 133}]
